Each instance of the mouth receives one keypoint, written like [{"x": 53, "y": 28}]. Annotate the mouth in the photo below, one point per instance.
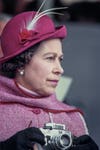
[{"x": 54, "y": 83}]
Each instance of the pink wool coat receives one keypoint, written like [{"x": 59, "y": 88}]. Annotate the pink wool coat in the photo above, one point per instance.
[{"x": 19, "y": 110}]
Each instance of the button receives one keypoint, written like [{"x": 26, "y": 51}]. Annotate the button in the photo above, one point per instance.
[{"x": 36, "y": 111}]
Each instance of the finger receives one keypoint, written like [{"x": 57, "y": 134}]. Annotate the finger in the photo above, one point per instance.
[
  {"x": 84, "y": 139},
  {"x": 37, "y": 147}
]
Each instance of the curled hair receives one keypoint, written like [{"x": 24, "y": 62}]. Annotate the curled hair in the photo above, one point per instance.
[{"x": 10, "y": 67}]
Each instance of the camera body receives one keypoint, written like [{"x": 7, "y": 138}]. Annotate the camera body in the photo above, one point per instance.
[{"x": 56, "y": 137}]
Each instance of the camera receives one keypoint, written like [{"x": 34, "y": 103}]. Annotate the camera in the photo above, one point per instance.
[{"x": 56, "y": 137}]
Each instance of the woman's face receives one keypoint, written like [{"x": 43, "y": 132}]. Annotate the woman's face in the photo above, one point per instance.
[{"x": 44, "y": 70}]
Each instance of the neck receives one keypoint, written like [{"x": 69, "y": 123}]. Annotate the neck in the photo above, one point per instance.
[{"x": 28, "y": 92}]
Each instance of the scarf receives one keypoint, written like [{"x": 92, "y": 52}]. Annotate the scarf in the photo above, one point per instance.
[{"x": 10, "y": 94}]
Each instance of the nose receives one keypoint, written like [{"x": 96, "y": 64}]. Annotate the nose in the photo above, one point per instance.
[{"x": 58, "y": 69}]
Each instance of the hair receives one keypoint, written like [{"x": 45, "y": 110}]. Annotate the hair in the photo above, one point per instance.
[{"x": 10, "y": 67}]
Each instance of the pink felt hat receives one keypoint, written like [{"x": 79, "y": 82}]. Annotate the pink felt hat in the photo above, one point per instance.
[{"x": 25, "y": 30}]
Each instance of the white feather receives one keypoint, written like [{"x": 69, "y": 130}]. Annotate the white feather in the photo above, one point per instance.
[
  {"x": 32, "y": 23},
  {"x": 39, "y": 14}
]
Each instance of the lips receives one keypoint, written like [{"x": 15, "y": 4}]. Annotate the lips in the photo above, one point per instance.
[
  {"x": 53, "y": 82},
  {"x": 56, "y": 81}
]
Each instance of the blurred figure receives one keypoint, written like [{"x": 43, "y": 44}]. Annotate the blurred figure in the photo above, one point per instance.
[
  {"x": 25, "y": 5},
  {"x": 84, "y": 12},
  {"x": 1, "y": 6},
  {"x": 9, "y": 6},
  {"x": 14, "y": 7},
  {"x": 4, "y": 18},
  {"x": 80, "y": 11}
]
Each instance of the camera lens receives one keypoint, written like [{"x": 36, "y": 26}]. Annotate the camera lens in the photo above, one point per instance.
[
  {"x": 65, "y": 140},
  {"x": 61, "y": 142}
]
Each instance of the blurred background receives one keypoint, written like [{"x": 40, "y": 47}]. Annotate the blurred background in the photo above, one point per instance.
[{"x": 80, "y": 84}]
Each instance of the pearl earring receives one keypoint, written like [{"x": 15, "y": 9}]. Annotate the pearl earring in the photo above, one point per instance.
[{"x": 22, "y": 72}]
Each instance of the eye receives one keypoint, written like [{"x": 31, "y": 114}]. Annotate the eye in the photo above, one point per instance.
[
  {"x": 50, "y": 58},
  {"x": 61, "y": 59}
]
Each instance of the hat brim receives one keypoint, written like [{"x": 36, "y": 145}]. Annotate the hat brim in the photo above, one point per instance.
[{"x": 60, "y": 32}]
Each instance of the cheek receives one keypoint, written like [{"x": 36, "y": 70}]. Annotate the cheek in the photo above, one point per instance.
[
  {"x": 41, "y": 70},
  {"x": 44, "y": 72},
  {"x": 39, "y": 77}
]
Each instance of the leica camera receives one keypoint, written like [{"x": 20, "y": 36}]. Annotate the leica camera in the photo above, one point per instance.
[{"x": 56, "y": 137}]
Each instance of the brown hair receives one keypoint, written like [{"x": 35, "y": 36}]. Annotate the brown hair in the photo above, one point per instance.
[{"x": 10, "y": 67}]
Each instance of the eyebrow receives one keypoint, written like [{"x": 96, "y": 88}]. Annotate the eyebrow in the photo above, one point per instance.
[{"x": 50, "y": 53}]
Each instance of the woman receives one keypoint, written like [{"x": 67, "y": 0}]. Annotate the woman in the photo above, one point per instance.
[{"x": 31, "y": 69}]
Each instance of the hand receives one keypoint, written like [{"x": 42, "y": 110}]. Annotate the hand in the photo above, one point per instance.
[
  {"x": 23, "y": 140},
  {"x": 84, "y": 142}
]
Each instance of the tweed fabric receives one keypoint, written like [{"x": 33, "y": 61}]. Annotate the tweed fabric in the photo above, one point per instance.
[{"x": 19, "y": 111}]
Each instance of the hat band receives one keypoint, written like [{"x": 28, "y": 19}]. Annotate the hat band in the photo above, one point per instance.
[{"x": 28, "y": 35}]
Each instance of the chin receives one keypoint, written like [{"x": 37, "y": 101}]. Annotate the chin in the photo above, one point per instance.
[{"x": 48, "y": 93}]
